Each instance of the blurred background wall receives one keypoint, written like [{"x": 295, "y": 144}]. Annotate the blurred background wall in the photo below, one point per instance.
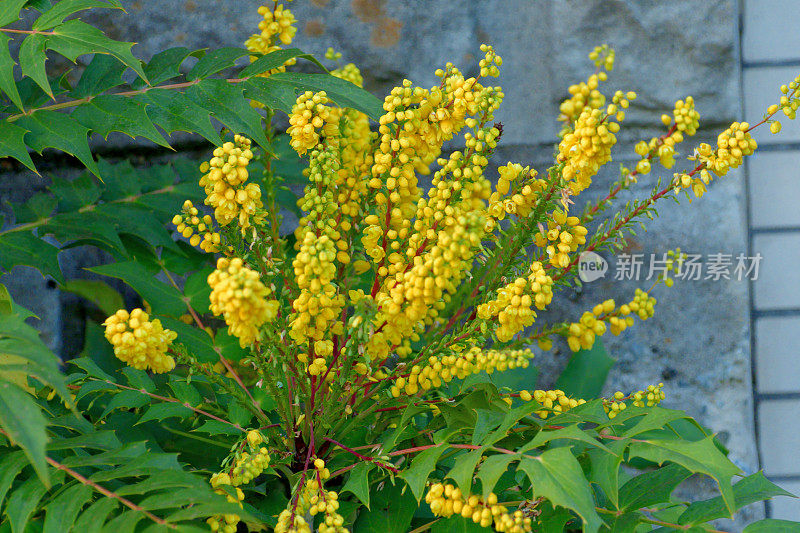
[{"x": 701, "y": 339}]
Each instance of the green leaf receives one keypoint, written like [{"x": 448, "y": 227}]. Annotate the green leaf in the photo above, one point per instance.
[
  {"x": 85, "y": 226},
  {"x": 6, "y": 305},
  {"x": 38, "y": 207},
  {"x": 7, "y": 83},
  {"x": 279, "y": 91},
  {"x": 486, "y": 421},
  {"x": 76, "y": 193},
  {"x": 492, "y": 468},
  {"x": 274, "y": 60},
  {"x": 11, "y": 465},
  {"x": 63, "y": 510},
  {"x": 166, "y": 65},
  {"x": 125, "y": 399},
  {"x": 21, "y": 248},
  {"x": 12, "y": 144},
  {"x": 105, "y": 297},
  {"x": 656, "y": 418},
  {"x": 650, "y": 488},
  {"x": 162, "y": 411},
  {"x": 163, "y": 298},
  {"x": 197, "y": 341},
  {"x": 184, "y": 391},
  {"x": 700, "y": 457},
  {"x": 391, "y": 512},
  {"x": 772, "y": 525},
  {"x": 358, "y": 482},
  {"x": 24, "y": 501},
  {"x": 56, "y": 15},
  {"x": 752, "y": 489},
  {"x": 173, "y": 111},
  {"x": 421, "y": 467},
  {"x": 557, "y": 476},
  {"x": 605, "y": 469},
  {"x": 107, "y": 113},
  {"x": 215, "y": 427},
  {"x": 464, "y": 469},
  {"x": 51, "y": 129},
  {"x": 92, "y": 520},
  {"x": 572, "y": 432},
  {"x": 32, "y": 60},
  {"x": 215, "y": 61},
  {"x": 74, "y": 38},
  {"x": 225, "y": 102},
  {"x": 586, "y": 372},
  {"x": 9, "y": 11},
  {"x": 104, "y": 72}
]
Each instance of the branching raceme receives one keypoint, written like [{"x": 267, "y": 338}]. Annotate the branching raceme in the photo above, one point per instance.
[{"x": 348, "y": 371}]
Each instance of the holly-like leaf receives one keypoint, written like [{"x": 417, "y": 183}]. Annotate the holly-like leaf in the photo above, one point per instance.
[
  {"x": 107, "y": 113},
  {"x": 773, "y": 525},
  {"x": 651, "y": 488},
  {"x": 225, "y": 102},
  {"x": 51, "y": 129},
  {"x": 7, "y": 83},
  {"x": 392, "y": 509},
  {"x": 557, "y": 476},
  {"x": 492, "y": 468},
  {"x": 76, "y": 193},
  {"x": 173, "y": 111},
  {"x": 24, "y": 248},
  {"x": 9, "y": 11},
  {"x": 23, "y": 421},
  {"x": 12, "y": 144},
  {"x": 274, "y": 60},
  {"x": 358, "y": 482},
  {"x": 421, "y": 467},
  {"x": 104, "y": 72},
  {"x": 61, "y": 513},
  {"x": 162, "y": 297},
  {"x": 32, "y": 60},
  {"x": 56, "y": 14},
  {"x": 215, "y": 61},
  {"x": 74, "y": 38},
  {"x": 166, "y": 65},
  {"x": 162, "y": 411}
]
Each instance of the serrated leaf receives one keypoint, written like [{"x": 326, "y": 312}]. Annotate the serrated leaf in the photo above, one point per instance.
[
  {"x": 105, "y": 297},
  {"x": 358, "y": 482},
  {"x": 9, "y": 11},
  {"x": 215, "y": 427},
  {"x": 23, "y": 502},
  {"x": 274, "y": 60},
  {"x": 51, "y": 129},
  {"x": 605, "y": 469},
  {"x": 162, "y": 411},
  {"x": 486, "y": 421},
  {"x": 7, "y": 83},
  {"x": 21, "y": 248},
  {"x": 163, "y": 298},
  {"x": 173, "y": 111},
  {"x": 700, "y": 457},
  {"x": 6, "y": 305},
  {"x": 650, "y": 488},
  {"x": 12, "y": 144},
  {"x": 125, "y": 399},
  {"x": 421, "y": 466},
  {"x": 11, "y": 465},
  {"x": 56, "y": 14},
  {"x": 107, "y": 113},
  {"x": 61, "y": 513},
  {"x": 464, "y": 469},
  {"x": 492, "y": 468},
  {"x": 32, "y": 60},
  {"x": 227, "y": 104},
  {"x": 103, "y": 73},
  {"x": 74, "y": 38},
  {"x": 215, "y": 61},
  {"x": 76, "y": 193},
  {"x": 280, "y": 90},
  {"x": 38, "y": 207},
  {"x": 166, "y": 64},
  {"x": 185, "y": 392},
  {"x": 87, "y": 226},
  {"x": 586, "y": 372},
  {"x": 557, "y": 476},
  {"x": 93, "y": 518},
  {"x": 752, "y": 489},
  {"x": 197, "y": 341}
]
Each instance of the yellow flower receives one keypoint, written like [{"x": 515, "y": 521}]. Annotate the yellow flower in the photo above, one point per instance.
[{"x": 139, "y": 342}]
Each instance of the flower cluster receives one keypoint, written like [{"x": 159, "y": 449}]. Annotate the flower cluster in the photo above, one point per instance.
[
  {"x": 313, "y": 499},
  {"x": 140, "y": 342},
  {"x": 277, "y": 24},
  {"x": 553, "y": 401},
  {"x": 513, "y": 305},
  {"x": 592, "y": 324},
  {"x": 563, "y": 235},
  {"x": 516, "y": 193},
  {"x": 225, "y": 523},
  {"x": 309, "y": 114},
  {"x": 588, "y": 146},
  {"x": 198, "y": 230},
  {"x": 447, "y": 500},
  {"x": 238, "y": 294},
  {"x": 649, "y": 397},
  {"x": 224, "y": 178},
  {"x": 459, "y": 365},
  {"x": 686, "y": 123}
]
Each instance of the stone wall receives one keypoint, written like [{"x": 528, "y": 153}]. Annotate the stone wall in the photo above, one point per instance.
[{"x": 698, "y": 341}]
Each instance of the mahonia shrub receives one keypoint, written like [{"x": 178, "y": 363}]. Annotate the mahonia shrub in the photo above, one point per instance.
[{"x": 346, "y": 374}]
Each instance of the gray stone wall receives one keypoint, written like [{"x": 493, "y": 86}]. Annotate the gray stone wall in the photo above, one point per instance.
[{"x": 698, "y": 341}]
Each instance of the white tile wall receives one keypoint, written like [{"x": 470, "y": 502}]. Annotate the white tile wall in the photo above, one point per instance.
[
  {"x": 775, "y": 188},
  {"x": 787, "y": 508},
  {"x": 770, "y": 30},
  {"x": 779, "y": 422},
  {"x": 762, "y": 89},
  {"x": 778, "y": 283},
  {"x": 777, "y": 354}
]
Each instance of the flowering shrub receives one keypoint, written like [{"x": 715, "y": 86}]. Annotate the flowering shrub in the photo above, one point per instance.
[{"x": 346, "y": 376}]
